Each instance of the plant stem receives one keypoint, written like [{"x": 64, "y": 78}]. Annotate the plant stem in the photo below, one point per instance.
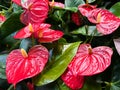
[{"x": 11, "y": 87}]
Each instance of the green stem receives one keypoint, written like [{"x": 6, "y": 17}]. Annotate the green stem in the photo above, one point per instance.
[
  {"x": 4, "y": 7},
  {"x": 11, "y": 87}
]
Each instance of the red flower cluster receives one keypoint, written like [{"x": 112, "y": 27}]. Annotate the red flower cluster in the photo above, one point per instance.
[
  {"x": 105, "y": 21},
  {"x": 86, "y": 62},
  {"x": 21, "y": 65},
  {"x": 40, "y": 31}
]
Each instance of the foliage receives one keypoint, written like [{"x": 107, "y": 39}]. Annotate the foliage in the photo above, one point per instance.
[{"x": 59, "y": 45}]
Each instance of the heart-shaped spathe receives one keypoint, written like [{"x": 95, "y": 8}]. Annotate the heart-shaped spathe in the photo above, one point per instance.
[{"x": 20, "y": 66}]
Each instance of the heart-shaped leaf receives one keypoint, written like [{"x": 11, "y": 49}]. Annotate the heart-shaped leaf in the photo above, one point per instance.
[
  {"x": 21, "y": 66},
  {"x": 90, "y": 61}
]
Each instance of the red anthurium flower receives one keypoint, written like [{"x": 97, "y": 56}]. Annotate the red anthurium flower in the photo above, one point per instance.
[
  {"x": 72, "y": 81},
  {"x": 25, "y": 32},
  {"x": 76, "y": 19},
  {"x": 90, "y": 61},
  {"x": 56, "y": 4},
  {"x": 35, "y": 11},
  {"x": 40, "y": 31},
  {"x": 105, "y": 21},
  {"x": 85, "y": 9},
  {"x": 2, "y": 18},
  {"x": 21, "y": 65},
  {"x": 46, "y": 35}
]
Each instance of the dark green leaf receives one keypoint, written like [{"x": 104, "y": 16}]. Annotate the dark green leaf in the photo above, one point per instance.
[
  {"x": 62, "y": 85},
  {"x": 10, "y": 42},
  {"x": 11, "y": 25},
  {"x": 91, "y": 84},
  {"x": 2, "y": 66},
  {"x": 55, "y": 69},
  {"x": 73, "y": 3},
  {"x": 115, "y": 9}
]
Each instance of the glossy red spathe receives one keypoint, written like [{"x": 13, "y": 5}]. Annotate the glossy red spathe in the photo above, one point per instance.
[
  {"x": 85, "y": 9},
  {"x": 42, "y": 32},
  {"x": 35, "y": 11},
  {"x": 90, "y": 61},
  {"x": 75, "y": 82},
  {"x": 21, "y": 66}
]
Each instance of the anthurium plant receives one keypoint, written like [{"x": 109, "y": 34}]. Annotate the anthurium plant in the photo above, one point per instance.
[{"x": 59, "y": 45}]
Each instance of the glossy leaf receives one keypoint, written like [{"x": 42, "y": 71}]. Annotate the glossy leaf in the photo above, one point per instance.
[
  {"x": 90, "y": 61},
  {"x": 72, "y": 81},
  {"x": 2, "y": 66},
  {"x": 115, "y": 9},
  {"x": 55, "y": 69},
  {"x": 13, "y": 23},
  {"x": 26, "y": 44},
  {"x": 72, "y": 9},
  {"x": 21, "y": 66},
  {"x": 73, "y": 3},
  {"x": 87, "y": 30}
]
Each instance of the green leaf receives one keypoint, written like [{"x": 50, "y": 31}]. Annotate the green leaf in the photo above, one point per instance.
[
  {"x": 16, "y": 8},
  {"x": 55, "y": 69},
  {"x": 62, "y": 85},
  {"x": 90, "y": 1},
  {"x": 11, "y": 25},
  {"x": 91, "y": 84},
  {"x": 2, "y": 66},
  {"x": 87, "y": 30},
  {"x": 73, "y": 3},
  {"x": 115, "y": 9},
  {"x": 72, "y": 9},
  {"x": 26, "y": 44},
  {"x": 113, "y": 86}
]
